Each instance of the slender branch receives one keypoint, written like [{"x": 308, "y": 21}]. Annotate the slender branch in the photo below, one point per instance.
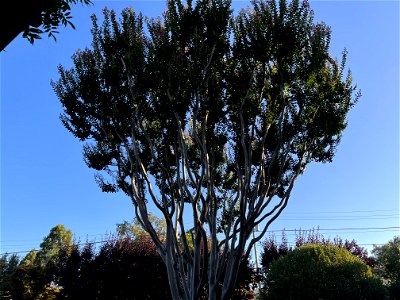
[{"x": 279, "y": 207}]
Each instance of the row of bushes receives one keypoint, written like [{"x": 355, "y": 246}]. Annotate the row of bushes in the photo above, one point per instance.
[
  {"x": 128, "y": 267},
  {"x": 123, "y": 267}
]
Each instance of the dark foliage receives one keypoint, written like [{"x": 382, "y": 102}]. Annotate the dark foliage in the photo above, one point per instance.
[
  {"x": 23, "y": 280},
  {"x": 122, "y": 269},
  {"x": 8, "y": 268},
  {"x": 272, "y": 250},
  {"x": 387, "y": 265},
  {"x": 248, "y": 279},
  {"x": 52, "y": 14},
  {"x": 127, "y": 269},
  {"x": 35, "y": 18},
  {"x": 394, "y": 291}
]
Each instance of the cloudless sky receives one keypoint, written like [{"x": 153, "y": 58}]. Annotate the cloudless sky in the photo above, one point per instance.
[{"x": 44, "y": 181}]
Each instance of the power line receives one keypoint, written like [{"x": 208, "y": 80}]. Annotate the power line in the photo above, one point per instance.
[
  {"x": 337, "y": 229},
  {"x": 75, "y": 237},
  {"x": 342, "y": 218},
  {"x": 34, "y": 241},
  {"x": 292, "y": 217},
  {"x": 79, "y": 244},
  {"x": 345, "y": 212},
  {"x": 347, "y": 232},
  {"x": 362, "y": 229}
]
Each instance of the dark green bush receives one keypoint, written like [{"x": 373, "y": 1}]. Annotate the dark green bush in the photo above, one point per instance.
[{"x": 394, "y": 291}]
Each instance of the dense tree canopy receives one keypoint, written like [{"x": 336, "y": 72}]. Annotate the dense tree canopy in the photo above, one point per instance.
[
  {"x": 388, "y": 265},
  {"x": 8, "y": 267},
  {"x": 210, "y": 114},
  {"x": 388, "y": 259},
  {"x": 121, "y": 269},
  {"x": 34, "y": 276}
]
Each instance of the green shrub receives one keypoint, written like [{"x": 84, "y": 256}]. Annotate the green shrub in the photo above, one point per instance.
[{"x": 321, "y": 272}]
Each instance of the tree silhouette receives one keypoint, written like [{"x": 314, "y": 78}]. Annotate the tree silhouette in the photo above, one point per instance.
[{"x": 209, "y": 114}]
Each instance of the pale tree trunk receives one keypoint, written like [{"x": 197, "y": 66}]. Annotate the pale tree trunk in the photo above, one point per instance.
[
  {"x": 188, "y": 271},
  {"x": 232, "y": 270},
  {"x": 173, "y": 284}
]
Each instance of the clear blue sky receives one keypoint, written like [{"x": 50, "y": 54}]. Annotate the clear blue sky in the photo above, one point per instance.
[{"x": 45, "y": 182}]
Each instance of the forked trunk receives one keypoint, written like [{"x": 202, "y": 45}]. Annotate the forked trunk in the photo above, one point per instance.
[{"x": 232, "y": 270}]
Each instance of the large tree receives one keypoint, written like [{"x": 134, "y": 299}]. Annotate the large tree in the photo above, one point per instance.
[{"x": 208, "y": 118}]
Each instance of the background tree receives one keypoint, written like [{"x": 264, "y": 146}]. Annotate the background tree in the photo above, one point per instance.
[
  {"x": 388, "y": 265},
  {"x": 34, "y": 18},
  {"x": 77, "y": 275},
  {"x": 321, "y": 272},
  {"x": 36, "y": 275},
  {"x": 208, "y": 114},
  {"x": 31, "y": 278},
  {"x": 59, "y": 238},
  {"x": 8, "y": 267},
  {"x": 134, "y": 230},
  {"x": 271, "y": 250}
]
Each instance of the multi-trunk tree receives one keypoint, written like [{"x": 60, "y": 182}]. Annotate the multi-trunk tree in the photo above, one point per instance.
[{"x": 209, "y": 118}]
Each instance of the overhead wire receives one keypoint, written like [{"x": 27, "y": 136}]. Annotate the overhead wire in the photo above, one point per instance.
[
  {"x": 358, "y": 230},
  {"x": 372, "y": 214}
]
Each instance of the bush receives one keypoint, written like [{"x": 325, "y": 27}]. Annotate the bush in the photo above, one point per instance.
[
  {"x": 122, "y": 269},
  {"x": 128, "y": 269},
  {"x": 321, "y": 272},
  {"x": 394, "y": 291}
]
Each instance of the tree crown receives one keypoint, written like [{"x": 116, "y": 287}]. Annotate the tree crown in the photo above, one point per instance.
[{"x": 205, "y": 111}]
